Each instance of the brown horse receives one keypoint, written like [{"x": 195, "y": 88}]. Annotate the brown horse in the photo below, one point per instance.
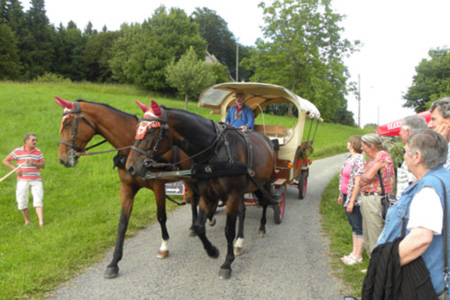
[
  {"x": 81, "y": 121},
  {"x": 227, "y": 164}
]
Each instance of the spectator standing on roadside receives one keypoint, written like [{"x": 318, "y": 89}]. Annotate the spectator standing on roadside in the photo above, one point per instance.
[
  {"x": 408, "y": 125},
  {"x": 379, "y": 159},
  {"x": 421, "y": 207},
  {"x": 440, "y": 121},
  {"x": 350, "y": 196},
  {"x": 28, "y": 176}
]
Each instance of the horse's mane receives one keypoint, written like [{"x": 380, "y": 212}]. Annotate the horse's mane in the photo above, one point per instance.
[
  {"x": 109, "y": 107},
  {"x": 185, "y": 112}
]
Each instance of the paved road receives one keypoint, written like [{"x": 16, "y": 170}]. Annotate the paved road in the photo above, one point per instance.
[{"x": 291, "y": 262}]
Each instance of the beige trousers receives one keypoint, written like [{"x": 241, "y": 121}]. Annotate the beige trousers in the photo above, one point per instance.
[{"x": 373, "y": 223}]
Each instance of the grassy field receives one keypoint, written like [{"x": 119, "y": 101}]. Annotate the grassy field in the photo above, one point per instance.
[
  {"x": 81, "y": 204},
  {"x": 335, "y": 224}
]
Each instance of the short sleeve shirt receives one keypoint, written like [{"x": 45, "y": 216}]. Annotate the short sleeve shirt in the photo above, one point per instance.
[
  {"x": 387, "y": 173},
  {"x": 426, "y": 211},
  {"x": 21, "y": 155}
]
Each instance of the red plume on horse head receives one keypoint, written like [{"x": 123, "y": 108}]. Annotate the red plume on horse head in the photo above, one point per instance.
[
  {"x": 156, "y": 109},
  {"x": 144, "y": 107},
  {"x": 63, "y": 103}
]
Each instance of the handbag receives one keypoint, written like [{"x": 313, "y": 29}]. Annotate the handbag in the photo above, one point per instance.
[{"x": 387, "y": 200}]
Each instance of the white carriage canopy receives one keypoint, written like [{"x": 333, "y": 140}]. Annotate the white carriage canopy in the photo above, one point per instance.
[{"x": 219, "y": 97}]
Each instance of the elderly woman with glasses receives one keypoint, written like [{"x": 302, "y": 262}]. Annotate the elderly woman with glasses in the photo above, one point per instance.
[
  {"x": 379, "y": 160},
  {"x": 415, "y": 224}
]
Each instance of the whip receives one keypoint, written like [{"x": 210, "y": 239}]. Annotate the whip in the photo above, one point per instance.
[{"x": 15, "y": 169}]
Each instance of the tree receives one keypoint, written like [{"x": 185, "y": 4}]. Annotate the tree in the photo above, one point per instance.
[
  {"x": 431, "y": 82},
  {"x": 142, "y": 53},
  {"x": 9, "y": 59},
  {"x": 3, "y": 11},
  {"x": 189, "y": 75},
  {"x": 69, "y": 46},
  {"x": 37, "y": 44},
  {"x": 219, "y": 40},
  {"x": 97, "y": 54},
  {"x": 304, "y": 52}
]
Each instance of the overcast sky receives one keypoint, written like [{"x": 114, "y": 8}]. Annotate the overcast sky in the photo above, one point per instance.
[{"x": 396, "y": 36}]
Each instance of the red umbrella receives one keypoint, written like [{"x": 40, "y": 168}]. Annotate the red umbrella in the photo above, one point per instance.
[{"x": 393, "y": 128}]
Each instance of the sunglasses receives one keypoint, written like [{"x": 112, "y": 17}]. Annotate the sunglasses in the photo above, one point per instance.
[{"x": 34, "y": 140}]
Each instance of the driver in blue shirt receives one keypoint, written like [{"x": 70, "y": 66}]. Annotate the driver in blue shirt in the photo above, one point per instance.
[{"x": 240, "y": 115}]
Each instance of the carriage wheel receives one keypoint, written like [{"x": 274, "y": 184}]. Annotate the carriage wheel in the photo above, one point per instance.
[
  {"x": 278, "y": 210},
  {"x": 302, "y": 185}
]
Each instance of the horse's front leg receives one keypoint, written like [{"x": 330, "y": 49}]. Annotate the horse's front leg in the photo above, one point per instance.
[
  {"x": 160, "y": 197},
  {"x": 233, "y": 207},
  {"x": 201, "y": 231},
  {"x": 239, "y": 244},
  {"x": 127, "y": 193}
]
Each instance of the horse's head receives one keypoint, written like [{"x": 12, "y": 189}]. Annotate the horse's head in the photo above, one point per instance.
[
  {"x": 75, "y": 134},
  {"x": 152, "y": 140}
]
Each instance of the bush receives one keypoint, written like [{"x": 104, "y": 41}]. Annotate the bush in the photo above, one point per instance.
[
  {"x": 394, "y": 147},
  {"x": 51, "y": 77}
]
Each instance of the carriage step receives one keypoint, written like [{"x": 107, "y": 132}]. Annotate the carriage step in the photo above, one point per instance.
[{"x": 280, "y": 181}]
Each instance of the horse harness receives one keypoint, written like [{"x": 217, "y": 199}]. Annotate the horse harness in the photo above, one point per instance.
[{"x": 205, "y": 169}]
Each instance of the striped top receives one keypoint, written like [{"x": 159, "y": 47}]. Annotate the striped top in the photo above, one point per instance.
[{"x": 29, "y": 172}]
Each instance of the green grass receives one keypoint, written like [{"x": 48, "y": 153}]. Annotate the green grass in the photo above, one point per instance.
[{"x": 81, "y": 204}]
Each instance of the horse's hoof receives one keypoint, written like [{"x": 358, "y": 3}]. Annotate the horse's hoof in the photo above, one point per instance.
[
  {"x": 238, "y": 251},
  {"x": 213, "y": 252},
  {"x": 261, "y": 234},
  {"x": 192, "y": 233},
  {"x": 162, "y": 254},
  {"x": 111, "y": 272},
  {"x": 212, "y": 222},
  {"x": 225, "y": 273}
]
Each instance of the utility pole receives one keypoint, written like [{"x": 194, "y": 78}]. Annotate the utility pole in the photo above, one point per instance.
[
  {"x": 359, "y": 101},
  {"x": 237, "y": 61}
]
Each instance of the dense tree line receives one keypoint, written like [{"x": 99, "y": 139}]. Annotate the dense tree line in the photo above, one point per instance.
[
  {"x": 431, "y": 82},
  {"x": 302, "y": 51}
]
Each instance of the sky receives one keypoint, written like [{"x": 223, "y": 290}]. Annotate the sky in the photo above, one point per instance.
[{"x": 395, "y": 35}]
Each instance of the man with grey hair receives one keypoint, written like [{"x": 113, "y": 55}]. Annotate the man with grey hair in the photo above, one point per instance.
[
  {"x": 440, "y": 121},
  {"x": 420, "y": 210},
  {"x": 408, "y": 124}
]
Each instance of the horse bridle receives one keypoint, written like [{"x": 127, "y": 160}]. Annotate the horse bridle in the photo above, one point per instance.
[
  {"x": 150, "y": 161},
  {"x": 78, "y": 114},
  {"x": 162, "y": 132}
]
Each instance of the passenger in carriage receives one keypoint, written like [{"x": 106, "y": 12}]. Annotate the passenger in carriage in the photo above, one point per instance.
[{"x": 240, "y": 115}]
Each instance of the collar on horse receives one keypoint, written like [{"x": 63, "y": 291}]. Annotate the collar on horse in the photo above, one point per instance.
[{"x": 78, "y": 114}]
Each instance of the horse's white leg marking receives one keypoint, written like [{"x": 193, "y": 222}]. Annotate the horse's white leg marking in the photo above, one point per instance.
[
  {"x": 163, "y": 250},
  {"x": 238, "y": 246},
  {"x": 164, "y": 246}
]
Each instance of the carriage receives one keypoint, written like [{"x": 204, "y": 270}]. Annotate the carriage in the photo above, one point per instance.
[{"x": 292, "y": 149}]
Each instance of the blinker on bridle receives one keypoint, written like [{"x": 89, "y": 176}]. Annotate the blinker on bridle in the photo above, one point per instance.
[
  {"x": 164, "y": 130},
  {"x": 77, "y": 112}
]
